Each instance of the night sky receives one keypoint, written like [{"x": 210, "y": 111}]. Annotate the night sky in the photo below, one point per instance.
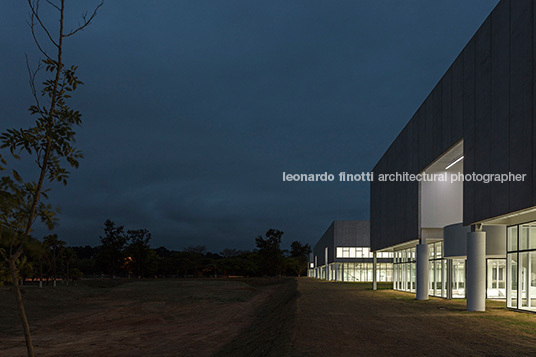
[{"x": 193, "y": 109}]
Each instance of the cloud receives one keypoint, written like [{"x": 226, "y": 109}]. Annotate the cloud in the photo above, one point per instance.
[{"x": 192, "y": 110}]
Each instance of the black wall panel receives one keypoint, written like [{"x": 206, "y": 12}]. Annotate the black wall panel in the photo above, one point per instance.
[
  {"x": 482, "y": 145},
  {"x": 487, "y": 97},
  {"x": 429, "y": 125},
  {"x": 533, "y": 106},
  {"x": 520, "y": 101},
  {"x": 499, "y": 105},
  {"x": 446, "y": 111},
  {"x": 469, "y": 129},
  {"x": 436, "y": 122},
  {"x": 457, "y": 99}
]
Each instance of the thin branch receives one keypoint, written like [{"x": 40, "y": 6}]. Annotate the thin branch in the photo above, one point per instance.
[
  {"x": 35, "y": 13},
  {"x": 53, "y": 5},
  {"x": 32, "y": 75},
  {"x": 53, "y": 99},
  {"x": 32, "y": 28},
  {"x": 85, "y": 21}
]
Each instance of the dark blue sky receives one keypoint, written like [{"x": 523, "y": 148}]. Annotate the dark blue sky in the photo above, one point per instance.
[{"x": 193, "y": 109}]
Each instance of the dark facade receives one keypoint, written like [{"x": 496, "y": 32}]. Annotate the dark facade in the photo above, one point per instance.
[
  {"x": 486, "y": 98},
  {"x": 341, "y": 234}
]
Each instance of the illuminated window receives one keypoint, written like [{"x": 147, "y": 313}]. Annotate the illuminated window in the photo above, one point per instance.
[
  {"x": 346, "y": 252},
  {"x": 359, "y": 253},
  {"x": 352, "y": 252}
]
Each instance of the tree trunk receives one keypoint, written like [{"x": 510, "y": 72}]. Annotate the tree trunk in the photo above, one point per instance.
[
  {"x": 41, "y": 274},
  {"x": 15, "y": 282},
  {"x": 67, "y": 274},
  {"x": 54, "y": 266}
]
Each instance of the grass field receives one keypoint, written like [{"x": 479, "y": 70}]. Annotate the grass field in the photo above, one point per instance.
[{"x": 256, "y": 317}]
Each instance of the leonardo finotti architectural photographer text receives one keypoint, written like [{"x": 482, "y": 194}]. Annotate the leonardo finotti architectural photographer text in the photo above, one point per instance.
[{"x": 404, "y": 176}]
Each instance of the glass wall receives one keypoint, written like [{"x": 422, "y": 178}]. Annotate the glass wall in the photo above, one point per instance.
[
  {"x": 437, "y": 270},
  {"x": 521, "y": 266},
  {"x": 404, "y": 272},
  {"x": 363, "y": 271},
  {"x": 354, "y": 272},
  {"x": 458, "y": 278}
]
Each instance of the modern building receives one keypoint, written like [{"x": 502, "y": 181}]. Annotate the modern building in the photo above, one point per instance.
[
  {"x": 343, "y": 254},
  {"x": 472, "y": 233}
]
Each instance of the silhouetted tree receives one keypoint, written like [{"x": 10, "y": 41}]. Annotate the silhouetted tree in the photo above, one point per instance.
[
  {"x": 299, "y": 253},
  {"x": 67, "y": 258},
  {"x": 193, "y": 259},
  {"x": 55, "y": 248},
  {"x": 163, "y": 252},
  {"x": 86, "y": 259},
  {"x": 139, "y": 250},
  {"x": 112, "y": 250},
  {"x": 270, "y": 253}
]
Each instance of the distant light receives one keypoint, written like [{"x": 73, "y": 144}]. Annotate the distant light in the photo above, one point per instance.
[{"x": 455, "y": 162}]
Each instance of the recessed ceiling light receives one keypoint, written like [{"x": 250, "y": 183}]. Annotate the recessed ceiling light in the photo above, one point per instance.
[{"x": 454, "y": 162}]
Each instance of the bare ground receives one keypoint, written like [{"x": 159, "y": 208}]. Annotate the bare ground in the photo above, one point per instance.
[
  {"x": 149, "y": 318},
  {"x": 257, "y": 317}
]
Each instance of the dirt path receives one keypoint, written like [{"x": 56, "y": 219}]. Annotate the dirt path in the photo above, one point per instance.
[{"x": 337, "y": 319}]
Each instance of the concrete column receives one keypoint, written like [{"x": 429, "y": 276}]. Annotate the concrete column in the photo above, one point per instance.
[
  {"x": 422, "y": 271},
  {"x": 476, "y": 271},
  {"x": 374, "y": 271}
]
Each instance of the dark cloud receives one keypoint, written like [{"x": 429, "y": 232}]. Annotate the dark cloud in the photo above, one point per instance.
[{"x": 193, "y": 109}]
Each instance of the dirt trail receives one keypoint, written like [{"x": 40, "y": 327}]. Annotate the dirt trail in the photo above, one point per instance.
[{"x": 337, "y": 319}]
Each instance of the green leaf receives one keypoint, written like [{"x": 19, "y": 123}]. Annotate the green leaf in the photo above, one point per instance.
[{"x": 17, "y": 176}]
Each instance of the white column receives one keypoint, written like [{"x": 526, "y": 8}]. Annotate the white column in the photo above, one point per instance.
[
  {"x": 476, "y": 271},
  {"x": 374, "y": 271},
  {"x": 422, "y": 271}
]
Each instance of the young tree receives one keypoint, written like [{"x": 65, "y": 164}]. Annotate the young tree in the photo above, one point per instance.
[
  {"x": 49, "y": 142},
  {"x": 270, "y": 254}
]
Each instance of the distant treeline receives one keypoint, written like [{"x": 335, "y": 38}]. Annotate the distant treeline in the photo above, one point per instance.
[{"x": 127, "y": 253}]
